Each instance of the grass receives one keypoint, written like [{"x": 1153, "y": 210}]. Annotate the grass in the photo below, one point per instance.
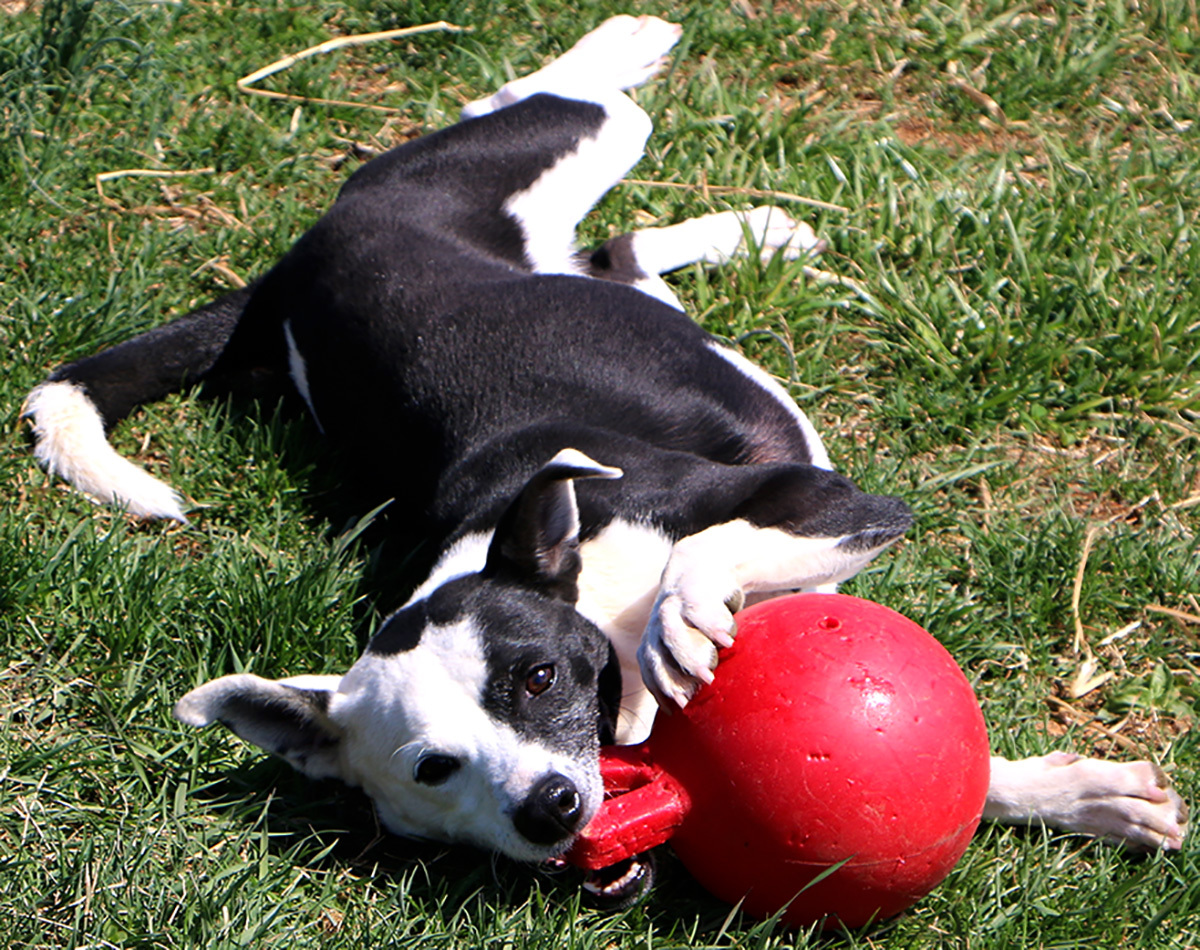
[{"x": 1011, "y": 198}]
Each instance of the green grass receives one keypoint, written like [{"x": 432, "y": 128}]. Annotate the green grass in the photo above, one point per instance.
[{"x": 1018, "y": 192}]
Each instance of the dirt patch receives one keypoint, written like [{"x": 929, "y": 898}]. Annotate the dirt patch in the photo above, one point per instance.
[
  {"x": 1140, "y": 732},
  {"x": 915, "y": 130}
]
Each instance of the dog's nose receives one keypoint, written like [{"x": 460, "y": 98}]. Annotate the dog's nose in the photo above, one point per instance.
[{"x": 551, "y": 811}]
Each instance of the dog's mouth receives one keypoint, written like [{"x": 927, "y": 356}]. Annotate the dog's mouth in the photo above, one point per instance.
[
  {"x": 621, "y": 884},
  {"x": 614, "y": 887}
]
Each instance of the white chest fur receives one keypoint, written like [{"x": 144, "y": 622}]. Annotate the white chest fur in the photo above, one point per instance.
[{"x": 622, "y": 568}]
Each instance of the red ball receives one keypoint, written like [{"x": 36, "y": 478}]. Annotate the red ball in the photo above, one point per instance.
[{"x": 836, "y": 730}]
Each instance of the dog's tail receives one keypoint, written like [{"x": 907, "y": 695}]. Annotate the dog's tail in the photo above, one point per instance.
[{"x": 72, "y": 410}]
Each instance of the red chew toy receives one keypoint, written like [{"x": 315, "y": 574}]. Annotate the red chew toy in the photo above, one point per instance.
[{"x": 836, "y": 731}]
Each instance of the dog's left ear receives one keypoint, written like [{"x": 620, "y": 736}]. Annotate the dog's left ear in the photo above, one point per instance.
[
  {"x": 288, "y": 717},
  {"x": 537, "y": 540}
]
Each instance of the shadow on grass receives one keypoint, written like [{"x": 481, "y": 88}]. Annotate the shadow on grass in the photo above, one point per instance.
[
  {"x": 331, "y": 827},
  {"x": 275, "y": 427}
]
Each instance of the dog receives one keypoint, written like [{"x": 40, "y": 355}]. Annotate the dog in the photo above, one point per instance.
[{"x": 604, "y": 484}]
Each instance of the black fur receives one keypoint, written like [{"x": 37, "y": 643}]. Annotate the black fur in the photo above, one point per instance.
[{"x": 446, "y": 374}]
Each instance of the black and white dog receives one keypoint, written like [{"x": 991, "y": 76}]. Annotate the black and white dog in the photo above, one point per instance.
[{"x": 605, "y": 483}]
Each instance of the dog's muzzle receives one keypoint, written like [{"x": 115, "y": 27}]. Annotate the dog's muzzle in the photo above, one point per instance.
[{"x": 551, "y": 812}]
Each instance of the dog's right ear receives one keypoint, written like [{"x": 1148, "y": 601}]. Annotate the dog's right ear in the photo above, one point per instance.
[
  {"x": 287, "y": 717},
  {"x": 537, "y": 539}
]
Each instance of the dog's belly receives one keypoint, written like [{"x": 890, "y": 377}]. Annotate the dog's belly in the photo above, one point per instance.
[{"x": 450, "y": 373}]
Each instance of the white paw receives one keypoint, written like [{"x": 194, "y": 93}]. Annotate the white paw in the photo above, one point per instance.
[
  {"x": 678, "y": 652},
  {"x": 774, "y": 231},
  {"x": 1129, "y": 803},
  {"x": 622, "y": 52}
]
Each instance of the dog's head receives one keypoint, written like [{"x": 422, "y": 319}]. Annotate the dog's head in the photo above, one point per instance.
[{"x": 477, "y": 711}]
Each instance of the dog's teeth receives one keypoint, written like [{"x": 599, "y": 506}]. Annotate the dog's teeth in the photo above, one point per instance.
[{"x": 614, "y": 888}]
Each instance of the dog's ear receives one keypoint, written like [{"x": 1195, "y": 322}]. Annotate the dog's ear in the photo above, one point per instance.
[
  {"x": 537, "y": 540},
  {"x": 288, "y": 717}
]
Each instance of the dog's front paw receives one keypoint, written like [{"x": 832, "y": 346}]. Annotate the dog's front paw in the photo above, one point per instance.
[
  {"x": 777, "y": 232},
  {"x": 678, "y": 652},
  {"x": 1128, "y": 803}
]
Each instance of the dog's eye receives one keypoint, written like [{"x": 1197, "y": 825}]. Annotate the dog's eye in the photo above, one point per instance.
[
  {"x": 540, "y": 679},
  {"x": 433, "y": 769}
]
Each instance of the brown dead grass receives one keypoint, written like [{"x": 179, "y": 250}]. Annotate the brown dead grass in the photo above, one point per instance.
[
  {"x": 915, "y": 128},
  {"x": 1140, "y": 732}
]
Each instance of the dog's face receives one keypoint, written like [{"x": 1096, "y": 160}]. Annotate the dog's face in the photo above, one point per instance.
[
  {"x": 477, "y": 711},
  {"x": 476, "y": 714}
]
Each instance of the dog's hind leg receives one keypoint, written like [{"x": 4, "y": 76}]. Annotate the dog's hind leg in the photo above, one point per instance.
[
  {"x": 72, "y": 410},
  {"x": 638, "y": 258},
  {"x": 548, "y": 210},
  {"x": 718, "y": 238},
  {"x": 621, "y": 53},
  {"x": 1129, "y": 803}
]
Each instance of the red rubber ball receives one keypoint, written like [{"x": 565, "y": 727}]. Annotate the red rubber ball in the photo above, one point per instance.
[{"x": 837, "y": 730}]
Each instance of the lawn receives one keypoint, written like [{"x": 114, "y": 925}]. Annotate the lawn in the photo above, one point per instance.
[{"x": 1005, "y": 331}]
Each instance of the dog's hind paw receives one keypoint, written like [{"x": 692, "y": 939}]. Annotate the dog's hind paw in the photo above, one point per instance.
[
  {"x": 621, "y": 53},
  {"x": 774, "y": 232},
  {"x": 1128, "y": 803}
]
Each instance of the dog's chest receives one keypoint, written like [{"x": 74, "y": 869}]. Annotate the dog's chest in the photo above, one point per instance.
[{"x": 618, "y": 584}]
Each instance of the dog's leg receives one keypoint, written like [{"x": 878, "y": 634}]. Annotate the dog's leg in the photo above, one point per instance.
[
  {"x": 705, "y": 583},
  {"x": 71, "y": 411},
  {"x": 1130, "y": 803},
  {"x": 638, "y": 258},
  {"x": 718, "y": 238},
  {"x": 621, "y": 53},
  {"x": 548, "y": 210},
  {"x": 798, "y": 528}
]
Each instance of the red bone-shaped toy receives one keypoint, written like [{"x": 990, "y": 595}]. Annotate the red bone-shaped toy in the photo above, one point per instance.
[{"x": 836, "y": 731}]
